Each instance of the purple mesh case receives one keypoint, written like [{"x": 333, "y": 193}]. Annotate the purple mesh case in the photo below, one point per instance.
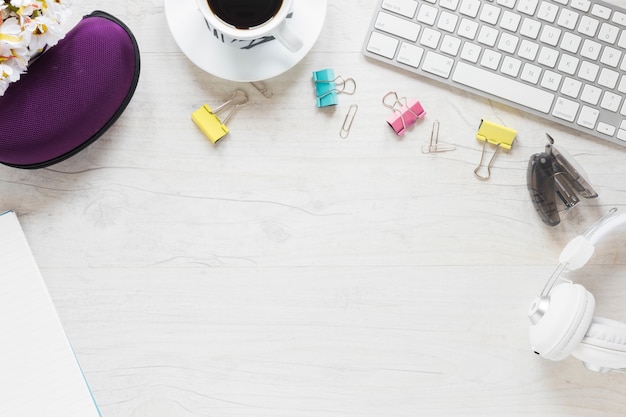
[{"x": 70, "y": 95}]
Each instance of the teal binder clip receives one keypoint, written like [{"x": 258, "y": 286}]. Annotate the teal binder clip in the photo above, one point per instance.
[{"x": 328, "y": 87}]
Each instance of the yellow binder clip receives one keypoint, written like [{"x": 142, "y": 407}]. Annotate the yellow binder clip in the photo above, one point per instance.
[
  {"x": 500, "y": 136},
  {"x": 208, "y": 121}
]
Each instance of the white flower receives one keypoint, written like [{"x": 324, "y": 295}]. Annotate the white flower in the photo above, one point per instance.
[
  {"x": 44, "y": 32},
  {"x": 10, "y": 35},
  {"x": 27, "y": 27}
]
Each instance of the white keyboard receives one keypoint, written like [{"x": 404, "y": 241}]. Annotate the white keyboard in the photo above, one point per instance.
[{"x": 563, "y": 60}]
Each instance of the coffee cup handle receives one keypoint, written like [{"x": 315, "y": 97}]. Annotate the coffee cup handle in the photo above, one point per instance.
[{"x": 286, "y": 36}]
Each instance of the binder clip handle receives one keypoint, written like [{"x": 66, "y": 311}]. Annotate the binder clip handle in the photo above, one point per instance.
[
  {"x": 500, "y": 136},
  {"x": 488, "y": 167},
  {"x": 238, "y": 99}
]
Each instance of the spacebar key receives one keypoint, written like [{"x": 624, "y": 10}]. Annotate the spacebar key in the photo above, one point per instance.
[{"x": 503, "y": 87}]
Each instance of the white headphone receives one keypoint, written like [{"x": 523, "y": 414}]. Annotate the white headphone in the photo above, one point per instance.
[{"x": 562, "y": 316}]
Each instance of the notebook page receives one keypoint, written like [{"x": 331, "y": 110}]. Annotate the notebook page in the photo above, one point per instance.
[{"x": 39, "y": 373}]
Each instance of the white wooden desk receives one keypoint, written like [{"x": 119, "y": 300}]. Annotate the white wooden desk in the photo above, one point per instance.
[{"x": 288, "y": 272}]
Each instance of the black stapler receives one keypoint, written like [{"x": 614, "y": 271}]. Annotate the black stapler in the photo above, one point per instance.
[{"x": 551, "y": 174}]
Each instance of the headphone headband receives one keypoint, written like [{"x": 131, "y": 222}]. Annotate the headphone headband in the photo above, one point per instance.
[{"x": 580, "y": 249}]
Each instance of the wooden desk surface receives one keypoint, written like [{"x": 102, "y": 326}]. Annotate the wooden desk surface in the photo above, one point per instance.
[{"x": 288, "y": 272}]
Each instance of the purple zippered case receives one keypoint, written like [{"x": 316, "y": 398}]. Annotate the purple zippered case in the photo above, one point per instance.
[{"x": 70, "y": 95}]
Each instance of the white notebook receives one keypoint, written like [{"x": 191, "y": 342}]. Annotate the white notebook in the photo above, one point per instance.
[{"x": 39, "y": 373}]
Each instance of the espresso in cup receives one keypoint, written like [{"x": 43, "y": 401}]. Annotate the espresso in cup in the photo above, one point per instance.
[
  {"x": 245, "y": 24},
  {"x": 245, "y": 14}
]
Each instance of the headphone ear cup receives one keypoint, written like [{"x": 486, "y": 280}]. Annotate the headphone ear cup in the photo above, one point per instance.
[
  {"x": 564, "y": 323},
  {"x": 604, "y": 346}
]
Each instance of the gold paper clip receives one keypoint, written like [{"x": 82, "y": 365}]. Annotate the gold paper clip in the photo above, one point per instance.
[
  {"x": 208, "y": 121},
  {"x": 500, "y": 136},
  {"x": 434, "y": 145}
]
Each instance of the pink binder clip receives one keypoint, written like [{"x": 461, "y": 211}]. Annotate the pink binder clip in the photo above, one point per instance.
[{"x": 405, "y": 112}]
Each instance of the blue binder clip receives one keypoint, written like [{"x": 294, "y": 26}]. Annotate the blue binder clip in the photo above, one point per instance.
[{"x": 327, "y": 87}]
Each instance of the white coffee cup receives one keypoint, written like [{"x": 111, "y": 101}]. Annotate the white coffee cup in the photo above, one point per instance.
[{"x": 228, "y": 32}]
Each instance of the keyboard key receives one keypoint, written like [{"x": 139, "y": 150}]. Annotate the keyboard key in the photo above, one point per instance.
[
  {"x": 503, "y": 87},
  {"x": 447, "y": 21},
  {"x": 622, "y": 85},
  {"x": 530, "y": 28},
  {"x": 619, "y": 18},
  {"x": 551, "y": 80},
  {"x": 611, "y": 56},
  {"x": 582, "y": 5},
  {"x": 450, "y": 45},
  {"x": 403, "y": 7},
  {"x": 430, "y": 38},
  {"x": 606, "y": 129},
  {"x": 449, "y": 4},
  {"x": 568, "y": 19},
  {"x": 601, "y": 11},
  {"x": 437, "y": 64},
  {"x": 571, "y": 87},
  {"x": 527, "y": 6},
  {"x": 507, "y": 3},
  {"x": 510, "y": 21},
  {"x": 397, "y": 26},
  {"x": 410, "y": 54},
  {"x": 382, "y": 45},
  {"x": 490, "y": 59},
  {"x": 588, "y": 117},
  {"x": 570, "y": 42},
  {"x": 548, "y": 56},
  {"x": 487, "y": 36},
  {"x": 470, "y": 52},
  {"x": 528, "y": 50},
  {"x": 507, "y": 43},
  {"x": 608, "y": 78},
  {"x": 531, "y": 73},
  {"x": 550, "y": 35},
  {"x": 511, "y": 66},
  {"x": 470, "y": 8},
  {"x": 588, "y": 26},
  {"x": 608, "y": 33},
  {"x": 588, "y": 71},
  {"x": 489, "y": 14},
  {"x": 468, "y": 29},
  {"x": 565, "y": 109},
  {"x": 427, "y": 14},
  {"x": 591, "y": 49},
  {"x": 547, "y": 11},
  {"x": 611, "y": 101},
  {"x": 568, "y": 64},
  {"x": 591, "y": 94}
]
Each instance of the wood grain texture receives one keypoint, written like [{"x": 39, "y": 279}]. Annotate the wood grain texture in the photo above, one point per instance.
[{"x": 288, "y": 272}]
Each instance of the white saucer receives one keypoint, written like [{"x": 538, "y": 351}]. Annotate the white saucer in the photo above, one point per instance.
[{"x": 259, "y": 63}]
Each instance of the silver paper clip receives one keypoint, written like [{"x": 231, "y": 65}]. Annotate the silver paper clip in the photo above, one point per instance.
[
  {"x": 434, "y": 146},
  {"x": 262, "y": 88},
  {"x": 347, "y": 121}
]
